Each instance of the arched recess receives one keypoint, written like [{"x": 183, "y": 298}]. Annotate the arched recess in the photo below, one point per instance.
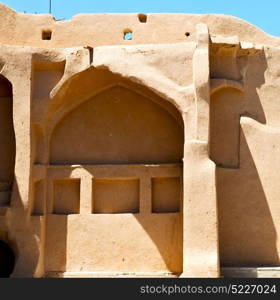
[
  {"x": 117, "y": 126},
  {"x": 7, "y": 141},
  {"x": 116, "y": 159},
  {"x": 226, "y": 106}
]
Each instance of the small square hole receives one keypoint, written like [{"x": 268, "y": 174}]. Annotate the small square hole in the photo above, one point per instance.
[
  {"x": 127, "y": 35},
  {"x": 142, "y": 18},
  {"x": 46, "y": 35}
]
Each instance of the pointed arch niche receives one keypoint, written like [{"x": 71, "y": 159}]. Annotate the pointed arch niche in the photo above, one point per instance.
[{"x": 115, "y": 183}]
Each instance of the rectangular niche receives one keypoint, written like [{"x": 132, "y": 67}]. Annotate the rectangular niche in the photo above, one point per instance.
[
  {"x": 38, "y": 198},
  {"x": 66, "y": 196},
  {"x": 166, "y": 194},
  {"x": 112, "y": 196}
]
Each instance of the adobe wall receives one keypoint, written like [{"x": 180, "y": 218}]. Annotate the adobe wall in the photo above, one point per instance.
[{"x": 155, "y": 155}]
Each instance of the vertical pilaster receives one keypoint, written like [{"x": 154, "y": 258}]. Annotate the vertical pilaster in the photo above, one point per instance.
[
  {"x": 200, "y": 229},
  {"x": 145, "y": 194},
  {"x": 18, "y": 70},
  {"x": 200, "y": 245},
  {"x": 86, "y": 194}
]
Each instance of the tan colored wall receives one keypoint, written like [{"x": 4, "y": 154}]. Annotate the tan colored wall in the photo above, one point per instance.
[
  {"x": 246, "y": 194},
  {"x": 117, "y": 126},
  {"x": 102, "y": 249},
  {"x": 108, "y": 29},
  {"x": 156, "y": 156}
]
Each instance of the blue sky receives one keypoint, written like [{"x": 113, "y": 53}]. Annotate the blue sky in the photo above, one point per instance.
[{"x": 264, "y": 14}]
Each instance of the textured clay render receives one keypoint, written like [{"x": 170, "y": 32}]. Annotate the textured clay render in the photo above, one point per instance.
[{"x": 138, "y": 145}]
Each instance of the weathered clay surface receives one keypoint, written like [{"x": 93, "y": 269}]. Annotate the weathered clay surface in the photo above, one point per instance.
[{"x": 156, "y": 155}]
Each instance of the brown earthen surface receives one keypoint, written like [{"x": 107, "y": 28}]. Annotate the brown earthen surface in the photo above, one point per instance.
[{"x": 156, "y": 155}]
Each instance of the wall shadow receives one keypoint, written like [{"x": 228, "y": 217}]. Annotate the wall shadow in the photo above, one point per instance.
[
  {"x": 247, "y": 234},
  {"x": 226, "y": 107},
  {"x": 23, "y": 231},
  {"x": 56, "y": 243},
  {"x": 21, "y": 249},
  {"x": 7, "y": 260},
  {"x": 7, "y": 141}
]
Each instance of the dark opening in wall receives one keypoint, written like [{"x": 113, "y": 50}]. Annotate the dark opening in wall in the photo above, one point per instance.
[
  {"x": 7, "y": 141},
  {"x": 7, "y": 260},
  {"x": 187, "y": 34},
  {"x": 127, "y": 34},
  {"x": 46, "y": 35},
  {"x": 142, "y": 18}
]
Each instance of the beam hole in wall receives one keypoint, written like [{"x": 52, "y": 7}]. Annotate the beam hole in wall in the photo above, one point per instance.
[
  {"x": 142, "y": 18},
  {"x": 127, "y": 35},
  {"x": 7, "y": 260},
  {"x": 166, "y": 194},
  {"x": 187, "y": 34},
  {"x": 46, "y": 34},
  {"x": 66, "y": 196},
  {"x": 118, "y": 195}
]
